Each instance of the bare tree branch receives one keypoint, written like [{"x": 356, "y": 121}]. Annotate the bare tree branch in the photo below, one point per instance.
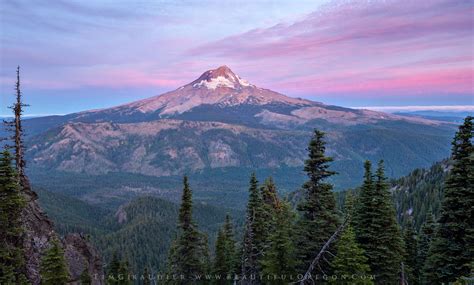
[{"x": 324, "y": 249}]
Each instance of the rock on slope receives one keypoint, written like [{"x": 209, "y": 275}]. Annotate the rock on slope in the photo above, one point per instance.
[{"x": 39, "y": 233}]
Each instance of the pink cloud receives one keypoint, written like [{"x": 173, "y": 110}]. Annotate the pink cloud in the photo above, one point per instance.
[{"x": 416, "y": 46}]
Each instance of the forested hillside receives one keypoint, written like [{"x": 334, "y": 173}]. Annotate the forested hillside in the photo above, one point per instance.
[
  {"x": 420, "y": 193},
  {"x": 140, "y": 231}
]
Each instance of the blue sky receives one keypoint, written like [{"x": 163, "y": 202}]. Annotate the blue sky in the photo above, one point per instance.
[{"x": 78, "y": 55}]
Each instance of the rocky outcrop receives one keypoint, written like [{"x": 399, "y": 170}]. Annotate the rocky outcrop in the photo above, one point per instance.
[
  {"x": 38, "y": 234},
  {"x": 80, "y": 256}
]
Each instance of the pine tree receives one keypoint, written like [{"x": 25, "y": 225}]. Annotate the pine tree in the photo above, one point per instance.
[
  {"x": 319, "y": 218},
  {"x": 376, "y": 228},
  {"x": 349, "y": 204},
  {"x": 189, "y": 255},
  {"x": 411, "y": 254},
  {"x": 269, "y": 194},
  {"x": 225, "y": 262},
  {"x": 146, "y": 276},
  {"x": 16, "y": 127},
  {"x": 11, "y": 205},
  {"x": 266, "y": 222},
  {"x": 85, "y": 278},
  {"x": 230, "y": 248},
  {"x": 452, "y": 249},
  {"x": 113, "y": 269},
  {"x": 123, "y": 273},
  {"x": 280, "y": 256},
  {"x": 53, "y": 269},
  {"x": 252, "y": 242},
  {"x": 350, "y": 264},
  {"x": 426, "y": 236}
]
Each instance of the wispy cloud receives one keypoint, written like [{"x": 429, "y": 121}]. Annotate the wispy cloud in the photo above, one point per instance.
[
  {"x": 455, "y": 108},
  {"x": 358, "y": 46}
]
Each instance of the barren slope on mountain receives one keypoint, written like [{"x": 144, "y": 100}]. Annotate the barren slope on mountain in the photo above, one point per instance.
[{"x": 219, "y": 121}]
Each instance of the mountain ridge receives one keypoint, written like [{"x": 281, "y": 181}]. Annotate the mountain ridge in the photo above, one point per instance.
[
  {"x": 201, "y": 126},
  {"x": 224, "y": 90}
]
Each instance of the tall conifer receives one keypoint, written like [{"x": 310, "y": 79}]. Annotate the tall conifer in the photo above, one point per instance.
[
  {"x": 189, "y": 252},
  {"x": 426, "y": 236},
  {"x": 251, "y": 246},
  {"x": 16, "y": 127},
  {"x": 319, "y": 219},
  {"x": 53, "y": 266},
  {"x": 452, "y": 249},
  {"x": 11, "y": 205},
  {"x": 376, "y": 228},
  {"x": 225, "y": 262},
  {"x": 350, "y": 264},
  {"x": 146, "y": 276},
  {"x": 411, "y": 254},
  {"x": 280, "y": 256}
]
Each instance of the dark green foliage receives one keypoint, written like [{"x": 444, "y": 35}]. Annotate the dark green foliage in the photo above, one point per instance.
[
  {"x": 280, "y": 254},
  {"x": 419, "y": 194},
  {"x": 146, "y": 276},
  {"x": 254, "y": 230},
  {"x": 376, "y": 228},
  {"x": 319, "y": 218},
  {"x": 85, "y": 278},
  {"x": 426, "y": 236},
  {"x": 113, "y": 268},
  {"x": 189, "y": 255},
  {"x": 11, "y": 205},
  {"x": 350, "y": 264},
  {"x": 452, "y": 249},
  {"x": 148, "y": 219},
  {"x": 118, "y": 272},
  {"x": 53, "y": 269},
  {"x": 225, "y": 261},
  {"x": 79, "y": 216},
  {"x": 412, "y": 268}
]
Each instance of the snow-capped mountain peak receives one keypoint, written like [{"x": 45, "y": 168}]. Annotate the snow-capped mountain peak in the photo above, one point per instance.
[
  {"x": 220, "y": 77},
  {"x": 218, "y": 87}
]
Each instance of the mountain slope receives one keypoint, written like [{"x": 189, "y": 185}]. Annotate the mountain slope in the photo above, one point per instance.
[
  {"x": 140, "y": 231},
  {"x": 221, "y": 121},
  {"x": 420, "y": 193}
]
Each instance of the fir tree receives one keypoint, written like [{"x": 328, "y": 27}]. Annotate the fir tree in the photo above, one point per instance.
[
  {"x": 225, "y": 262},
  {"x": 85, "y": 278},
  {"x": 11, "y": 205},
  {"x": 452, "y": 249},
  {"x": 411, "y": 254},
  {"x": 113, "y": 269},
  {"x": 189, "y": 255},
  {"x": 123, "y": 274},
  {"x": 252, "y": 242},
  {"x": 118, "y": 272},
  {"x": 146, "y": 276},
  {"x": 280, "y": 257},
  {"x": 319, "y": 218},
  {"x": 269, "y": 194},
  {"x": 266, "y": 222},
  {"x": 376, "y": 228},
  {"x": 230, "y": 248},
  {"x": 16, "y": 127},
  {"x": 426, "y": 236},
  {"x": 53, "y": 269},
  {"x": 350, "y": 264}
]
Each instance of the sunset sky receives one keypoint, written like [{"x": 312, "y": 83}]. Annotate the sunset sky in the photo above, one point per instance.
[{"x": 79, "y": 55}]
